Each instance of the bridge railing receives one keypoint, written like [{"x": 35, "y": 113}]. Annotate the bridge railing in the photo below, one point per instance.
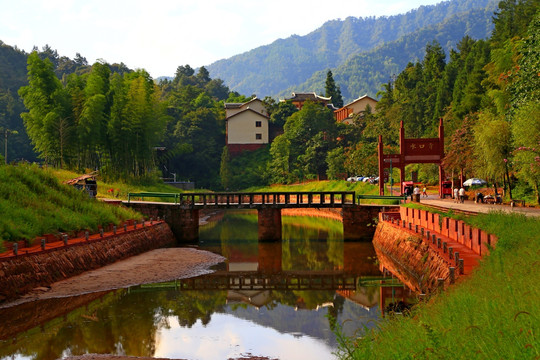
[
  {"x": 393, "y": 199},
  {"x": 325, "y": 198},
  {"x": 274, "y": 198},
  {"x": 141, "y": 195}
]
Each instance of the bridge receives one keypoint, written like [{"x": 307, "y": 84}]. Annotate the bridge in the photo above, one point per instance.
[
  {"x": 254, "y": 200},
  {"x": 287, "y": 280},
  {"x": 182, "y": 210}
]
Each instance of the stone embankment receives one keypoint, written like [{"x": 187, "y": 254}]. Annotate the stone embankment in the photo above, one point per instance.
[
  {"x": 426, "y": 250},
  {"x": 24, "y": 272}
]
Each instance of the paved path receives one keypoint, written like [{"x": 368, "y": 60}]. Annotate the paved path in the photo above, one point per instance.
[{"x": 469, "y": 205}]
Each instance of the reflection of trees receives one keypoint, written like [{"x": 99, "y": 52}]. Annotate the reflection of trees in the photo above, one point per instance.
[
  {"x": 89, "y": 329},
  {"x": 311, "y": 255},
  {"x": 125, "y": 322},
  {"x": 190, "y": 306}
]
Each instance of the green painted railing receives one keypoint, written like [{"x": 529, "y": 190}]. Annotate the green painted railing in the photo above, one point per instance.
[{"x": 142, "y": 195}]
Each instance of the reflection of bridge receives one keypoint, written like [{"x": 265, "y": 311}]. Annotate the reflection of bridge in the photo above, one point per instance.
[
  {"x": 286, "y": 280},
  {"x": 183, "y": 214}
]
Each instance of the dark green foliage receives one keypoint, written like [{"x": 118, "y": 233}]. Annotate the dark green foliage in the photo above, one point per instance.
[
  {"x": 333, "y": 91},
  {"x": 300, "y": 153},
  {"x": 245, "y": 170},
  {"x": 512, "y": 19},
  {"x": 97, "y": 120}
]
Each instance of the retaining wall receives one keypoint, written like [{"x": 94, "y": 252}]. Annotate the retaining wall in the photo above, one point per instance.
[
  {"x": 477, "y": 240},
  {"x": 410, "y": 257},
  {"x": 19, "y": 275}
]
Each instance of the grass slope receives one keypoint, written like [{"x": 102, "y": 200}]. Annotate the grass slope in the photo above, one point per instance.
[
  {"x": 493, "y": 314},
  {"x": 34, "y": 202},
  {"x": 330, "y": 185}
]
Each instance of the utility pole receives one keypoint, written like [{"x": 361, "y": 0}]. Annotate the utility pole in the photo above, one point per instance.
[{"x": 6, "y": 132}]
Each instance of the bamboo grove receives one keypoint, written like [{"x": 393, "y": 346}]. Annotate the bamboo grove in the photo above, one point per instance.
[{"x": 98, "y": 120}]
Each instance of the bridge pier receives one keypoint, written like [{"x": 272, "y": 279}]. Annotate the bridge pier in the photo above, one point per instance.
[
  {"x": 269, "y": 220},
  {"x": 360, "y": 222},
  {"x": 184, "y": 223},
  {"x": 270, "y": 255}
]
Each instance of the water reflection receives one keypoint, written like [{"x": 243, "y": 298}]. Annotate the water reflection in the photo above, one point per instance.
[{"x": 266, "y": 299}]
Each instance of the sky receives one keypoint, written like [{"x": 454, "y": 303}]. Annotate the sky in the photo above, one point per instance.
[{"x": 160, "y": 35}]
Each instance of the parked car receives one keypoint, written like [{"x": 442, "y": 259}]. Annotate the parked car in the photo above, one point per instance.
[
  {"x": 355, "y": 178},
  {"x": 474, "y": 182}
]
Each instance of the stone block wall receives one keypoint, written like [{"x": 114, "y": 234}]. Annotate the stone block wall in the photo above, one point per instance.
[
  {"x": 19, "y": 275},
  {"x": 418, "y": 265}
]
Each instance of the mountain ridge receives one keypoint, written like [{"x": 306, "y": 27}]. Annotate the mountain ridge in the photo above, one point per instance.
[
  {"x": 268, "y": 69},
  {"x": 378, "y": 65}
]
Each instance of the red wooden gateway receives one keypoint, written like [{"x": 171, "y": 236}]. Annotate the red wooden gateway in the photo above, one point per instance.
[{"x": 413, "y": 151}]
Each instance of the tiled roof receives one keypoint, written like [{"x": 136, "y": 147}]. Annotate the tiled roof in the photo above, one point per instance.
[
  {"x": 248, "y": 109},
  {"x": 361, "y": 98},
  {"x": 239, "y": 105},
  {"x": 307, "y": 96},
  {"x": 233, "y": 105}
]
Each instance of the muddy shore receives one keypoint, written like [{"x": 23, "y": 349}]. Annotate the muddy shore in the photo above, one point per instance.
[{"x": 150, "y": 267}]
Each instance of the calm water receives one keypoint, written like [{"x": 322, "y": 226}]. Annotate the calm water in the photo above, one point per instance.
[{"x": 279, "y": 300}]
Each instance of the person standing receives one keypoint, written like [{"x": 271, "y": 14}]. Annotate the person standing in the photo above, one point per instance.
[
  {"x": 416, "y": 193},
  {"x": 462, "y": 195},
  {"x": 456, "y": 195},
  {"x": 424, "y": 193}
]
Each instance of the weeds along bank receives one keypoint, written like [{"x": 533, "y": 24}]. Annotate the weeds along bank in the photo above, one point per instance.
[
  {"x": 493, "y": 314},
  {"x": 33, "y": 202}
]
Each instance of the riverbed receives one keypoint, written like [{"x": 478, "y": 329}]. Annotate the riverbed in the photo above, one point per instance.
[{"x": 259, "y": 300}]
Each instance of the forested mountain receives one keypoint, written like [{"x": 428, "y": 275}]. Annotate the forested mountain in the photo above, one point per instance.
[
  {"x": 269, "y": 69},
  {"x": 365, "y": 73}
]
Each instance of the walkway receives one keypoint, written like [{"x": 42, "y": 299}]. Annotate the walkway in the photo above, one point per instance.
[{"x": 469, "y": 205}]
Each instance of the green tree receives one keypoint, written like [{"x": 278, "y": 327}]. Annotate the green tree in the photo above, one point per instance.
[
  {"x": 281, "y": 112},
  {"x": 224, "y": 171},
  {"x": 492, "y": 146},
  {"x": 362, "y": 159},
  {"x": 48, "y": 122},
  {"x": 335, "y": 161},
  {"x": 526, "y": 85},
  {"x": 433, "y": 68},
  {"x": 460, "y": 152},
  {"x": 333, "y": 91},
  {"x": 512, "y": 19},
  {"x": 526, "y": 133},
  {"x": 313, "y": 160},
  {"x": 279, "y": 166}
]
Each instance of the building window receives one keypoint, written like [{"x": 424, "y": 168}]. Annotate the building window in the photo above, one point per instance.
[
  {"x": 258, "y": 123},
  {"x": 258, "y": 136}
]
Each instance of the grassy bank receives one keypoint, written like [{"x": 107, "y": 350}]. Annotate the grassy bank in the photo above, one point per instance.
[
  {"x": 493, "y": 314},
  {"x": 330, "y": 185},
  {"x": 118, "y": 190},
  {"x": 33, "y": 202},
  {"x": 360, "y": 188}
]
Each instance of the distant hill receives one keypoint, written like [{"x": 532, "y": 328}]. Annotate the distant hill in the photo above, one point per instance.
[
  {"x": 268, "y": 70},
  {"x": 12, "y": 68},
  {"x": 364, "y": 73}
]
